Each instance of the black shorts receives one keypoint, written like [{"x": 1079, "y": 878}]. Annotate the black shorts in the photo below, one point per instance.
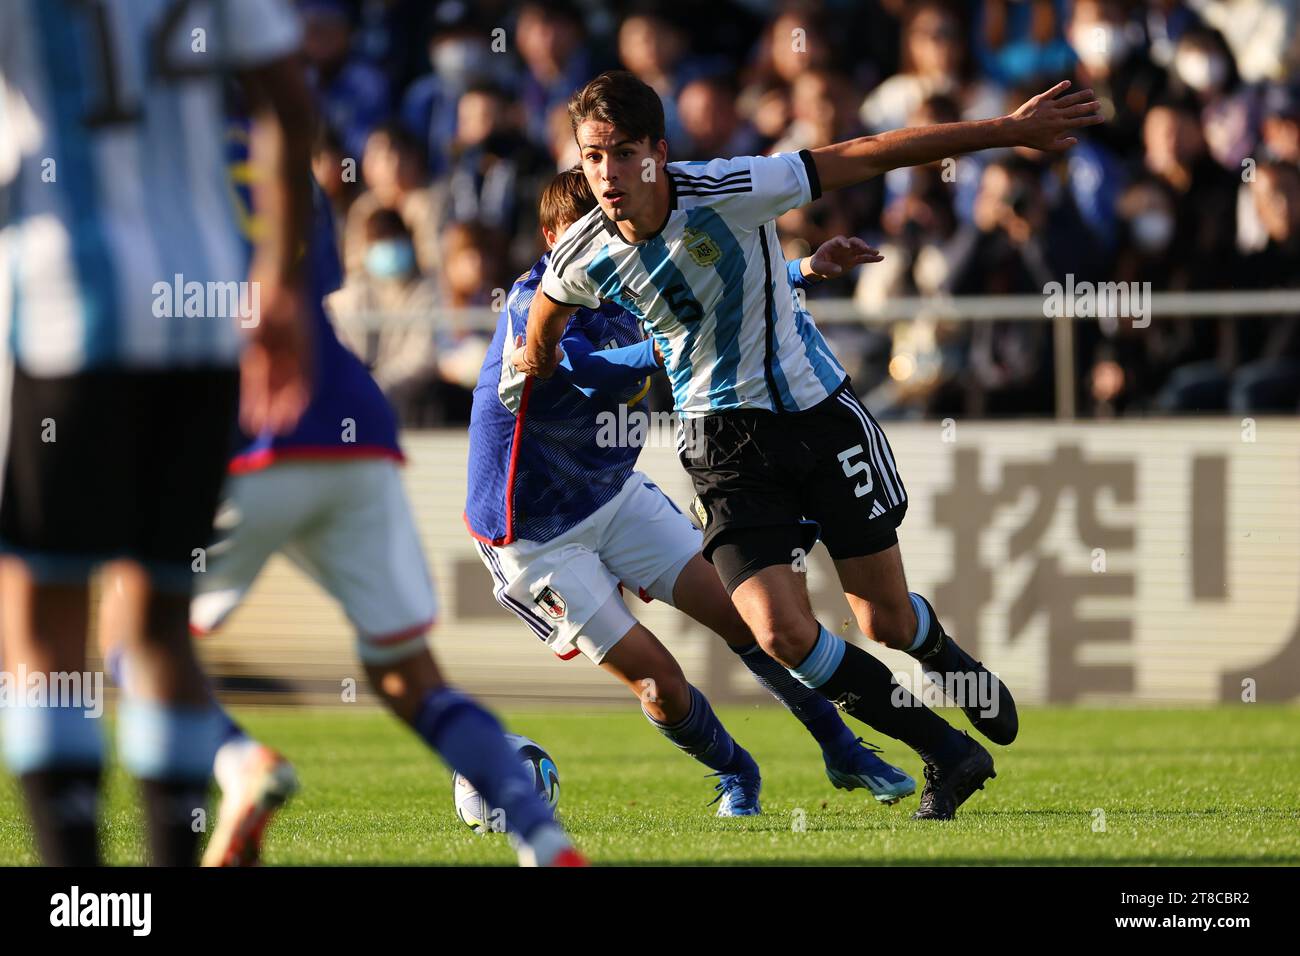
[
  {"x": 110, "y": 464},
  {"x": 830, "y": 464}
]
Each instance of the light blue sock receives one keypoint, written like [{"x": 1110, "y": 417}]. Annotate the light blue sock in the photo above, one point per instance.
[
  {"x": 168, "y": 742},
  {"x": 115, "y": 664},
  {"x": 43, "y": 737}
]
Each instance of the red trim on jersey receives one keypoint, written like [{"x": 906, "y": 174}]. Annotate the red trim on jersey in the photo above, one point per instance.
[
  {"x": 266, "y": 457},
  {"x": 398, "y": 636},
  {"x": 569, "y": 656},
  {"x": 514, "y": 459},
  {"x": 515, "y": 441}
]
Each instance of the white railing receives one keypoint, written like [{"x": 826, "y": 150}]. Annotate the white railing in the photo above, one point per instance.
[{"x": 970, "y": 308}]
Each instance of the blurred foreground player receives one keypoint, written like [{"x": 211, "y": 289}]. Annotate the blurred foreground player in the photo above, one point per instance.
[
  {"x": 328, "y": 496},
  {"x": 114, "y": 193}
]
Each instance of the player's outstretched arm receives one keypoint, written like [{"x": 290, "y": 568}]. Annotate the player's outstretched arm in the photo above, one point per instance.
[
  {"x": 1043, "y": 122},
  {"x": 546, "y": 323}
]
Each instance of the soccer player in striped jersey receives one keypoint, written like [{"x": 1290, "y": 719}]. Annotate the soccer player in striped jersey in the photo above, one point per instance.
[
  {"x": 691, "y": 249},
  {"x": 113, "y": 209},
  {"x": 564, "y": 522}
]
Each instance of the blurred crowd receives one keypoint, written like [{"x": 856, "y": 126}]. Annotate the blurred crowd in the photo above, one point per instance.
[{"x": 443, "y": 120}]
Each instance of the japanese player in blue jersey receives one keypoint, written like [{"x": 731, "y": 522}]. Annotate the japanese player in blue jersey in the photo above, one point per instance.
[
  {"x": 112, "y": 184},
  {"x": 564, "y": 522},
  {"x": 689, "y": 249},
  {"x": 328, "y": 495}
]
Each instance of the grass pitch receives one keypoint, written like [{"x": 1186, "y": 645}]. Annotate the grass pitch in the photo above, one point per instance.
[{"x": 1216, "y": 786}]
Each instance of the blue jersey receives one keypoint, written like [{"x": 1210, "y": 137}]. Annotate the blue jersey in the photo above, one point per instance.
[
  {"x": 537, "y": 473},
  {"x": 348, "y": 415},
  {"x": 540, "y": 458}
]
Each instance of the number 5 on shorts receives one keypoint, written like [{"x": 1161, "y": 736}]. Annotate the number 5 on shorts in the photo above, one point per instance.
[{"x": 852, "y": 468}]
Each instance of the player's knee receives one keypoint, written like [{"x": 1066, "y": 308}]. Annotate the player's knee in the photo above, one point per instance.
[
  {"x": 786, "y": 635},
  {"x": 885, "y": 624},
  {"x": 665, "y": 695}
]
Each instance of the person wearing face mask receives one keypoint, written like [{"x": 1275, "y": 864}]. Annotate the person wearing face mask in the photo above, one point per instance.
[
  {"x": 401, "y": 352},
  {"x": 1204, "y": 70},
  {"x": 459, "y": 55},
  {"x": 1114, "y": 61},
  {"x": 1122, "y": 367}
]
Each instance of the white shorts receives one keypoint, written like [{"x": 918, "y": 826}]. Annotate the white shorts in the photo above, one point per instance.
[
  {"x": 566, "y": 589},
  {"x": 347, "y": 525}
]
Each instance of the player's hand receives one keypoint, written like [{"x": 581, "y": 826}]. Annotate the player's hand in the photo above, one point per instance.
[
  {"x": 275, "y": 367},
  {"x": 1046, "y": 123},
  {"x": 659, "y": 356},
  {"x": 837, "y": 256},
  {"x": 519, "y": 359}
]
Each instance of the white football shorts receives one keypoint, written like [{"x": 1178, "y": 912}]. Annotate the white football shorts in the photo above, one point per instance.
[
  {"x": 348, "y": 526},
  {"x": 566, "y": 589}
]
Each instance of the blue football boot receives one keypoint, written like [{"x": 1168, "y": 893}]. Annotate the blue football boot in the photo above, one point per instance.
[
  {"x": 738, "y": 792},
  {"x": 858, "y": 767}
]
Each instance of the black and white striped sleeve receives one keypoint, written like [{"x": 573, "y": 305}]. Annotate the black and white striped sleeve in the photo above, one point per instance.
[
  {"x": 751, "y": 190},
  {"x": 565, "y": 281}
]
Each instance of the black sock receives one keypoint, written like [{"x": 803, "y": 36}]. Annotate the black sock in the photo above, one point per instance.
[
  {"x": 170, "y": 820},
  {"x": 863, "y": 687},
  {"x": 63, "y": 803}
]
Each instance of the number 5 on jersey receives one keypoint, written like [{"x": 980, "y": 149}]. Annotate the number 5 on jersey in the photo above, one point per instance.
[{"x": 852, "y": 468}]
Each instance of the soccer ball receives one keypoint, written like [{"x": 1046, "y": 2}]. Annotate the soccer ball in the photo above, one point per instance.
[{"x": 474, "y": 811}]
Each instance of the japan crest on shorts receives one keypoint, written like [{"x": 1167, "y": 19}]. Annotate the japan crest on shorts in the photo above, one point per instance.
[{"x": 549, "y": 600}]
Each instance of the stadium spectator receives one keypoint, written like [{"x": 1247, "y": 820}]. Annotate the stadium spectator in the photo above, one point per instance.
[
  {"x": 460, "y": 54},
  {"x": 559, "y": 138},
  {"x": 1113, "y": 62},
  {"x": 337, "y": 175},
  {"x": 353, "y": 94},
  {"x": 935, "y": 61},
  {"x": 1018, "y": 39},
  {"x": 491, "y": 166},
  {"x": 1015, "y": 244},
  {"x": 557, "y": 59},
  {"x": 1267, "y": 355},
  {"x": 655, "y": 46},
  {"x": 707, "y": 110},
  {"x": 1204, "y": 72},
  {"x": 1165, "y": 21},
  {"x": 393, "y": 169},
  {"x": 1206, "y": 193},
  {"x": 1264, "y": 35},
  {"x": 400, "y": 350}
]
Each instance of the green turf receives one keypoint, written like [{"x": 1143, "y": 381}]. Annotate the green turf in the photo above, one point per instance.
[{"x": 1215, "y": 787}]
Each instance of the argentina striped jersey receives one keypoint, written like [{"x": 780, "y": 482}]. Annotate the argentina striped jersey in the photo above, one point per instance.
[
  {"x": 711, "y": 285},
  {"x": 118, "y": 241}
]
